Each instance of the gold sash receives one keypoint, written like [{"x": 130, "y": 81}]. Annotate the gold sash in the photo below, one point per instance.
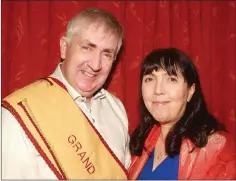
[{"x": 61, "y": 133}]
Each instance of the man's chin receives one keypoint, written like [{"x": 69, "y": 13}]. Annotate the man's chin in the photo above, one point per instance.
[{"x": 88, "y": 93}]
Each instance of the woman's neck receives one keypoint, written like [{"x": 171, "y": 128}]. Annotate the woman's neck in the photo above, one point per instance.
[{"x": 165, "y": 128}]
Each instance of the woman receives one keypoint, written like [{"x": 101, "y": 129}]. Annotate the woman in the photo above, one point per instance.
[{"x": 177, "y": 138}]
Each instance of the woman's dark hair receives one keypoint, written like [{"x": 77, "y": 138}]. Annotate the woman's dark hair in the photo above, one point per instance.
[{"x": 196, "y": 124}]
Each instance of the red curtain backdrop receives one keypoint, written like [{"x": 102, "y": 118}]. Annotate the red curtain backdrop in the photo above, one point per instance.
[{"x": 205, "y": 30}]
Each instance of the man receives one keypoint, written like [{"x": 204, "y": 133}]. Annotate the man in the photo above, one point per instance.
[{"x": 67, "y": 126}]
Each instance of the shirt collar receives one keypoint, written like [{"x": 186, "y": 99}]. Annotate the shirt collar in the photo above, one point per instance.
[{"x": 74, "y": 94}]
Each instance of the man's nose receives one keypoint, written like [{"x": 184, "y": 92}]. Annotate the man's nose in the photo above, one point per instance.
[{"x": 95, "y": 62}]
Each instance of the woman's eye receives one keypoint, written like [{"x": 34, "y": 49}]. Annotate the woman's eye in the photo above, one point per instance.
[
  {"x": 172, "y": 79},
  {"x": 148, "y": 79}
]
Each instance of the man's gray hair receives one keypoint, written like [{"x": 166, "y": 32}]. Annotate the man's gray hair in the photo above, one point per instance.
[{"x": 97, "y": 16}]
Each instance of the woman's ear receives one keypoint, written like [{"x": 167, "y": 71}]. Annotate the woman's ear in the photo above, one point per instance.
[
  {"x": 63, "y": 47},
  {"x": 191, "y": 92}
]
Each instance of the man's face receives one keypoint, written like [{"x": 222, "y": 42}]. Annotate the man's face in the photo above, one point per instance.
[{"x": 88, "y": 59}]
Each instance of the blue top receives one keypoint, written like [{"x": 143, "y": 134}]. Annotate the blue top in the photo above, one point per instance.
[{"x": 166, "y": 170}]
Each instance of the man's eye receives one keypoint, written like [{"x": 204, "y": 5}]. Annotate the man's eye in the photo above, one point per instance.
[
  {"x": 108, "y": 55},
  {"x": 85, "y": 47}
]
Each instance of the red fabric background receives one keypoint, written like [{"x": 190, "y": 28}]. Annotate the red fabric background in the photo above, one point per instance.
[{"x": 205, "y": 30}]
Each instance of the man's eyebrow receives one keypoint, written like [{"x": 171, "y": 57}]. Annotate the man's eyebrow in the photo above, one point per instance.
[
  {"x": 89, "y": 43},
  {"x": 107, "y": 50}
]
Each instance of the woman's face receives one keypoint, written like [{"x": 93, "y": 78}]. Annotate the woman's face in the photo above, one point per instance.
[{"x": 166, "y": 96}]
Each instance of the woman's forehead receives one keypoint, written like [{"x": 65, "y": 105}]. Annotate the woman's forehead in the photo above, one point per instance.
[{"x": 163, "y": 71}]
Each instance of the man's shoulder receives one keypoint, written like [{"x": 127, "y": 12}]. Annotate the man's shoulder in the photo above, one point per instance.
[
  {"x": 117, "y": 105},
  {"x": 109, "y": 93},
  {"x": 25, "y": 87},
  {"x": 112, "y": 97},
  {"x": 34, "y": 86}
]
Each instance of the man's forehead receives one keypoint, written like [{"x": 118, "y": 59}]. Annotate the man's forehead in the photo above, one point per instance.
[
  {"x": 98, "y": 36},
  {"x": 98, "y": 29}
]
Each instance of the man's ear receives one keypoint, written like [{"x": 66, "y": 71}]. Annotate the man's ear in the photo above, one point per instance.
[
  {"x": 63, "y": 47},
  {"x": 191, "y": 92}
]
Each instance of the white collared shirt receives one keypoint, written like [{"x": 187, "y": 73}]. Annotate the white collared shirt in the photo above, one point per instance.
[{"x": 20, "y": 159}]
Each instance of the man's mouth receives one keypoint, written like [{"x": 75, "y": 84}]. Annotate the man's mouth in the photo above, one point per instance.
[{"x": 88, "y": 74}]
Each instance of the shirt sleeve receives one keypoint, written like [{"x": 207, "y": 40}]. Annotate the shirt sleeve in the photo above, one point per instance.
[
  {"x": 127, "y": 154},
  {"x": 12, "y": 146},
  {"x": 126, "y": 124},
  {"x": 17, "y": 158}
]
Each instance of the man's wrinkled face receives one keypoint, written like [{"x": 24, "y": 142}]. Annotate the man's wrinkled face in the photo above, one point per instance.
[{"x": 88, "y": 59}]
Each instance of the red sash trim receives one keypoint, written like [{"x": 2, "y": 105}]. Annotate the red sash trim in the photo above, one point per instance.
[
  {"x": 33, "y": 140},
  {"x": 62, "y": 175},
  {"x": 99, "y": 135},
  {"x": 107, "y": 146},
  {"x": 55, "y": 80},
  {"x": 58, "y": 82}
]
